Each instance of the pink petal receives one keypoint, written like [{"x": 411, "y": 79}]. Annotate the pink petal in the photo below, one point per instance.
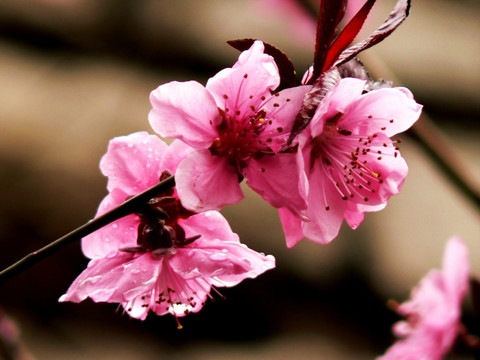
[
  {"x": 211, "y": 225},
  {"x": 389, "y": 110},
  {"x": 119, "y": 234},
  {"x": 337, "y": 100},
  {"x": 385, "y": 160},
  {"x": 456, "y": 269},
  {"x": 324, "y": 224},
  {"x": 292, "y": 227},
  {"x": 126, "y": 160},
  {"x": 275, "y": 178},
  {"x": 218, "y": 253},
  {"x": 186, "y": 111},
  {"x": 355, "y": 213},
  {"x": 206, "y": 182},
  {"x": 175, "y": 153},
  {"x": 118, "y": 278},
  {"x": 254, "y": 75},
  {"x": 282, "y": 110}
]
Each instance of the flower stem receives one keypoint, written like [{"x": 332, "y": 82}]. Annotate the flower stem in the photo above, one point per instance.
[{"x": 130, "y": 206}]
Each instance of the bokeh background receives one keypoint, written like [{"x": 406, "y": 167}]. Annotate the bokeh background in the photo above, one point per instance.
[{"x": 75, "y": 73}]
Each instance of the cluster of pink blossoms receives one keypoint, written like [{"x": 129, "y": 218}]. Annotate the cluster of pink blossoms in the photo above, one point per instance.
[
  {"x": 168, "y": 256},
  {"x": 342, "y": 164}
]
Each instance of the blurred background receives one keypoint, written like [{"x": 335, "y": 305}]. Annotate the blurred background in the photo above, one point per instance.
[{"x": 75, "y": 73}]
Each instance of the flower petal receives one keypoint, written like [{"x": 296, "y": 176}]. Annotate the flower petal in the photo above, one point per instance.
[
  {"x": 387, "y": 110},
  {"x": 174, "y": 154},
  {"x": 254, "y": 75},
  {"x": 185, "y": 110},
  {"x": 126, "y": 160},
  {"x": 206, "y": 182},
  {"x": 118, "y": 278},
  {"x": 456, "y": 269},
  {"x": 217, "y": 254},
  {"x": 282, "y": 109},
  {"x": 325, "y": 210},
  {"x": 292, "y": 227},
  {"x": 118, "y": 234},
  {"x": 275, "y": 178}
]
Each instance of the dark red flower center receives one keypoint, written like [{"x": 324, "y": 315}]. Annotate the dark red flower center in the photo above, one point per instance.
[{"x": 159, "y": 229}]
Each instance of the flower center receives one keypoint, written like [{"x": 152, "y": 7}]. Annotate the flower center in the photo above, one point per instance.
[
  {"x": 247, "y": 129},
  {"x": 158, "y": 230},
  {"x": 241, "y": 137},
  {"x": 350, "y": 161}
]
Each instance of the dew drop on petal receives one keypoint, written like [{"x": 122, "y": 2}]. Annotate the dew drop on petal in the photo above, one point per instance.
[
  {"x": 94, "y": 279},
  {"x": 218, "y": 256}
]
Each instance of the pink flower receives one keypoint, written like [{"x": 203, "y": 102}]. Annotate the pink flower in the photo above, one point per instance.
[
  {"x": 163, "y": 259},
  {"x": 348, "y": 163},
  {"x": 236, "y": 125},
  {"x": 433, "y": 313}
]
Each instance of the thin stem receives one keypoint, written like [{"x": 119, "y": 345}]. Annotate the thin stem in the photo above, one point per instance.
[{"x": 130, "y": 206}]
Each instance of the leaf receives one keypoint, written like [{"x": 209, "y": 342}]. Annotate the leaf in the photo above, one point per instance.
[
  {"x": 355, "y": 69},
  {"x": 347, "y": 35},
  {"x": 330, "y": 14},
  {"x": 324, "y": 83},
  {"x": 288, "y": 76},
  {"x": 396, "y": 17}
]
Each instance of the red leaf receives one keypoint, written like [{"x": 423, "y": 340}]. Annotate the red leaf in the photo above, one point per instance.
[
  {"x": 285, "y": 66},
  {"x": 347, "y": 35},
  {"x": 396, "y": 17},
  {"x": 322, "y": 85},
  {"x": 330, "y": 14}
]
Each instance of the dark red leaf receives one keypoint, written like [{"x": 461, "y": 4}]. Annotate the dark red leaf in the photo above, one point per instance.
[
  {"x": 330, "y": 14},
  {"x": 347, "y": 35},
  {"x": 396, "y": 17},
  {"x": 322, "y": 85},
  {"x": 285, "y": 66}
]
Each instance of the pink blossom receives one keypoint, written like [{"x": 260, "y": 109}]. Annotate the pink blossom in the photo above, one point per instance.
[
  {"x": 348, "y": 163},
  {"x": 236, "y": 125},
  {"x": 163, "y": 259},
  {"x": 433, "y": 312}
]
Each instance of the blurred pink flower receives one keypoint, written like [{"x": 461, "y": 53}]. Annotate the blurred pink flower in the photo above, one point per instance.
[
  {"x": 348, "y": 163},
  {"x": 164, "y": 259},
  {"x": 433, "y": 312},
  {"x": 236, "y": 125}
]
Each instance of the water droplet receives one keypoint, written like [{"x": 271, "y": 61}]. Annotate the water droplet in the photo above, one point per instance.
[
  {"x": 94, "y": 279},
  {"x": 218, "y": 256}
]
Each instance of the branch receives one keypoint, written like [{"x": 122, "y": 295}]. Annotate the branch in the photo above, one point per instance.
[{"x": 130, "y": 206}]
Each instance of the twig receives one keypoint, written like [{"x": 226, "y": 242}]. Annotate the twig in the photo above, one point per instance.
[{"x": 130, "y": 206}]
